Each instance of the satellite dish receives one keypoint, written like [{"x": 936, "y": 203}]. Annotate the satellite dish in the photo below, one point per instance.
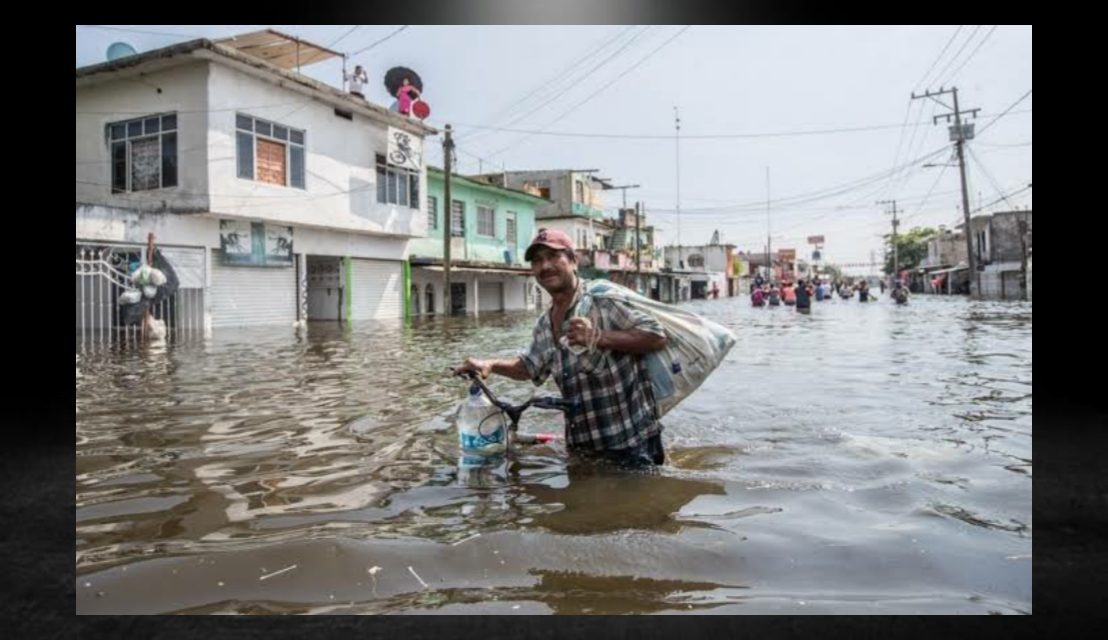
[{"x": 119, "y": 50}]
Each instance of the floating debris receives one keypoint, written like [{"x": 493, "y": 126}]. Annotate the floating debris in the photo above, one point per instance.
[
  {"x": 466, "y": 539},
  {"x": 417, "y": 577},
  {"x": 278, "y": 572}
]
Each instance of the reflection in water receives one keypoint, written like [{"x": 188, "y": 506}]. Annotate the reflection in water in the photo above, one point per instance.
[
  {"x": 596, "y": 498},
  {"x": 576, "y": 593},
  {"x": 865, "y": 453}
]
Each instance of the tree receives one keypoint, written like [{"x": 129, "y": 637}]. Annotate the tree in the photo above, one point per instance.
[
  {"x": 833, "y": 273},
  {"x": 911, "y": 248}
]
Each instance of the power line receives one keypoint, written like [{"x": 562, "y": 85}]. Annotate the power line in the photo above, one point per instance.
[
  {"x": 821, "y": 193},
  {"x": 927, "y": 197},
  {"x": 954, "y": 75},
  {"x": 900, "y": 138},
  {"x": 960, "y": 50},
  {"x": 607, "y": 136},
  {"x": 896, "y": 185},
  {"x": 343, "y": 36},
  {"x": 988, "y": 176},
  {"x": 1004, "y": 197},
  {"x": 149, "y": 33},
  {"x": 364, "y": 49},
  {"x": 937, "y": 58},
  {"x": 306, "y": 103},
  {"x": 551, "y": 85},
  {"x": 1004, "y": 146},
  {"x": 109, "y": 160},
  {"x": 831, "y": 208},
  {"x": 218, "y": 110},
  {"x": 265, "y": 199},
  {"x": 604, "y": 86},
  {"x": 702, "y": 136},
  {"x": 1004, "y": 113},
  {"x": 908, "y": 109},
  {"x": 560, "y": 94},
  {"x": 634, "y": 136}
]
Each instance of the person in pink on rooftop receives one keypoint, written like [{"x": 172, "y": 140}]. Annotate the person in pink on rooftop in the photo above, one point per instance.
[{"x": 404, "y": 96}]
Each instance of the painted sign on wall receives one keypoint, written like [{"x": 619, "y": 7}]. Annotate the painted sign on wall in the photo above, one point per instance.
[
  {"x": 255, "y": 244},
  {"x": 405, "y": 150}
]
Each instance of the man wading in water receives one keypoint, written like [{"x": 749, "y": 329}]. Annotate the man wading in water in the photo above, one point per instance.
[{"x": 614, "y": 414}]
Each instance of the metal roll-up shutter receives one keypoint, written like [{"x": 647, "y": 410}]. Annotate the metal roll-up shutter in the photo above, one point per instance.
[
  {"x": 491, "y": 296},
  {"x": 246, "y": 296},
  {"x": 376, "y": 289}
]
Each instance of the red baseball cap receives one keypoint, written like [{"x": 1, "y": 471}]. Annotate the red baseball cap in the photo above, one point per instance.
[{"x": 549, "y": 238}]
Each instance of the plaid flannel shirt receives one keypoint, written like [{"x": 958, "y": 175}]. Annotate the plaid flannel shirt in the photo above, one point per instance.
[{"x": 613, "y": 400}]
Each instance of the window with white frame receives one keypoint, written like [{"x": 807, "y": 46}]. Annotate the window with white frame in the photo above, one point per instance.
[
  {"x": 458, "y": 219},
  {"x": 269, "y": 152},
  {"x": 510, "y": 228},
  {"x": 486, "y": 220},
  {"x": 432, "y": 213},
  {"x": 143, "y": 153},
  {"x": 396, "y": 185}
]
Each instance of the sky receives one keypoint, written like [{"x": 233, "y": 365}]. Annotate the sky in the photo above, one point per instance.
[{"x": 819, "y": 121}]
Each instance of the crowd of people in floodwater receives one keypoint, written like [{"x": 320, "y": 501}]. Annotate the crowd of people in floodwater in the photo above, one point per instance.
[{"x": 801, "y": 293}]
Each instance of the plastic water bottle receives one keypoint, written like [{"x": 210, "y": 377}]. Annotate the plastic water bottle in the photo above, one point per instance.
[{"x": 481, "y": 427}]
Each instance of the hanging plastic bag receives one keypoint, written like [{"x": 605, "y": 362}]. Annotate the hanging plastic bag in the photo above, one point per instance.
[{"x": 130, "y": 296}]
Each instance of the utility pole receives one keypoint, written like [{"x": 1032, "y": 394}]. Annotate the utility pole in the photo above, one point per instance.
[
  {"x": 1023, "y": 228},
  {"x": 624, "y": 188},
  {"x": 448, "y": 220},
  {"x": 677, "y": 147},
  {"x": 896, "y": 252},
  {"x": 959, "y": 133}
]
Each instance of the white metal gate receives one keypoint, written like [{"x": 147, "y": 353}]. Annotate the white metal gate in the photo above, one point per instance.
[{"x": 102, "y": 275}]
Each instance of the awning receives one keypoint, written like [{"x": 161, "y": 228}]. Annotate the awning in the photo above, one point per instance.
[
  {"x": 951, "y": 269},
  {"x": 276, "y": 48}
]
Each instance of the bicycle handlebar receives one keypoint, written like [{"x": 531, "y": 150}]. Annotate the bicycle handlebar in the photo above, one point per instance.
[{"x": 514, "y": 412}]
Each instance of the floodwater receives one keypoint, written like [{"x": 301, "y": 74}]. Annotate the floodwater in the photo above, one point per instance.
[{"x": 865, "y": 458}]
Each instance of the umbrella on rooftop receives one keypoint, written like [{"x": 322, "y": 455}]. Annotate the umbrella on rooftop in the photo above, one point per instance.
[{"x": 394, "y": 78}]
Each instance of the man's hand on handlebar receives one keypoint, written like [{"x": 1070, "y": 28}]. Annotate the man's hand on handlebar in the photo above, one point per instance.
[{"x": 482, "y": 368}]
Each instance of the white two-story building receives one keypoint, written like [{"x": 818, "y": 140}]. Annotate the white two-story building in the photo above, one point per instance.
[{"x": 275, "y": 197}]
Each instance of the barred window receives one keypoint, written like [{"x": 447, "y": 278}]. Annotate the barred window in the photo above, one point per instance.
[
  {"x": 143, "y": 153},
  {"x": 486, "y": 221},
  {"x": 396, "y": 185}
]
